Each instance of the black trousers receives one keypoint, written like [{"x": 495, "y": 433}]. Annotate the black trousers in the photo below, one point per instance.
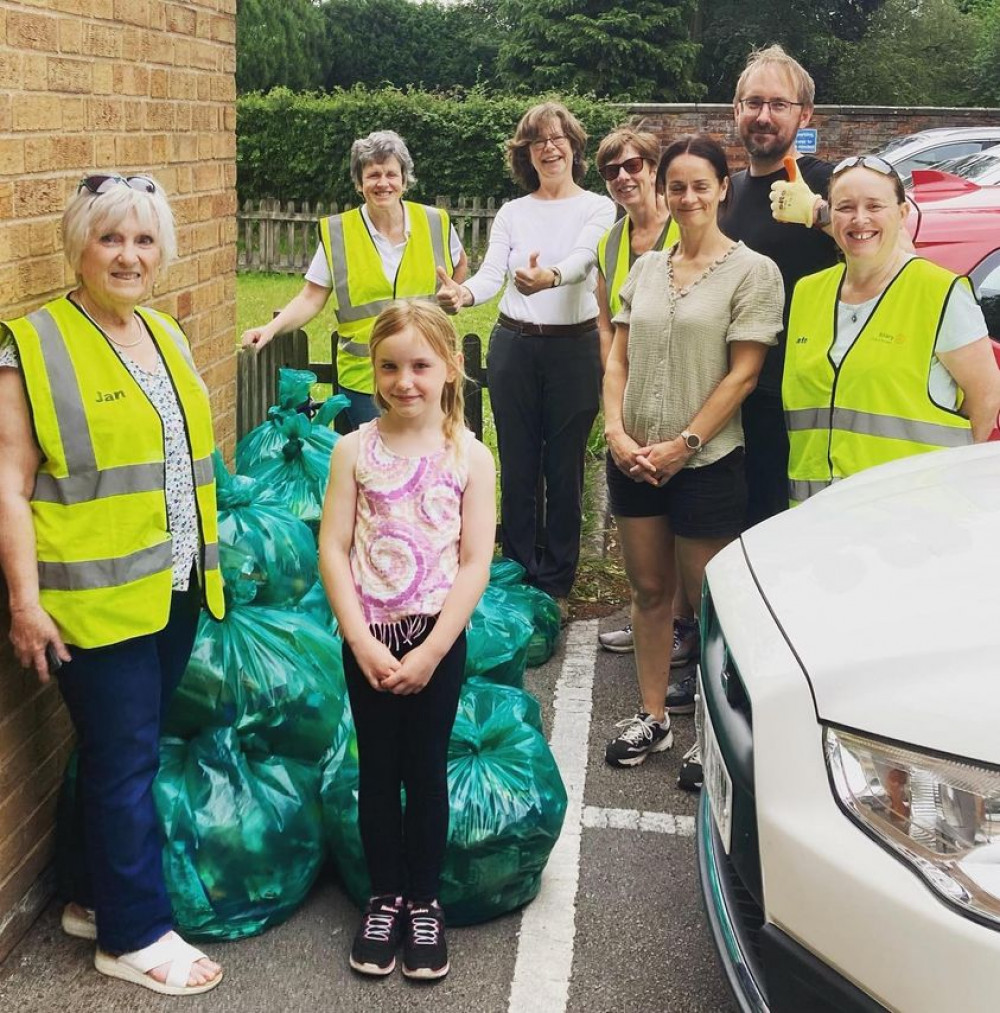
[
  {"x": 766, "y": 456},
  {"x": 544, "y": 391},
  {"x": 403, "y": 741}
]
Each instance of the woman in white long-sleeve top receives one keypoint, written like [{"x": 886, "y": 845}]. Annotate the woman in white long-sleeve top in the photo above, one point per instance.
[{"x": 543, "y": 363}]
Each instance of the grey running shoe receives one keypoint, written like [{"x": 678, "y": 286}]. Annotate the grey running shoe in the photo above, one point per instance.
[
  {"x": 682, "y": 690},
  {"x": 617, "y": 641},
  {"x": 640, "y": 736},
  {"x": 687, "y": 642}
]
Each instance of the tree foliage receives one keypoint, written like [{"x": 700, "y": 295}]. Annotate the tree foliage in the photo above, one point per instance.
[
  {"x": 297, "y": 147},
  {"x": 637, "y": 51},
  {"x": 279, "y": 43}
]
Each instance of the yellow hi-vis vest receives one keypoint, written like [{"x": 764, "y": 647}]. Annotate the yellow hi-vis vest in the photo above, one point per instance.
[
  {"x": 614, "y": 251},
  {"x": 104, "y": 549},
  {"x": 360, "y": 288},
  {"x": 876, "y": 406}
]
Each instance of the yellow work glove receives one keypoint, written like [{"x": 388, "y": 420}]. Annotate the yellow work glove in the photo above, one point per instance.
[{"x": 793, "y": 201}]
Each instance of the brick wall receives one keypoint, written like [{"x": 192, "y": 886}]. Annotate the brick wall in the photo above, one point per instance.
[
  {"x": 843, "y": 130},
  {"x": 138, "y": 86}
]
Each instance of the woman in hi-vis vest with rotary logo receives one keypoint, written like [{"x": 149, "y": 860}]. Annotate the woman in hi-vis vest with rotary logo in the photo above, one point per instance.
[{"x": 887, "y": 354}]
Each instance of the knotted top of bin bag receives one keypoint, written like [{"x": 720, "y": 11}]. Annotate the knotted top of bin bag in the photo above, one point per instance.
[
  {"x": 281, "y": 548},
  {"x": 506, "y": 799},
  {"x": 497, "y": 639},
  {"x": 272, "y": 674},
  {"x": 243, "y": 834}
]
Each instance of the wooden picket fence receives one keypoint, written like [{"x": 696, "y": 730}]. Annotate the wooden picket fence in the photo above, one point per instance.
[{"x": 282, "y": 237}]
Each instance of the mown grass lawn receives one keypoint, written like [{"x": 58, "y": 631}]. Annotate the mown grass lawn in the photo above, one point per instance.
[{"x": 600, "y": 586}]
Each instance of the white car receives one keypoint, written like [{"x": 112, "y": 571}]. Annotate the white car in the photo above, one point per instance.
[{"x": 849, "y": 827}]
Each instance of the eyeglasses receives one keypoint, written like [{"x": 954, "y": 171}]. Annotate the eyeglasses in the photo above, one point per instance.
[
  {"x": 778, "y": 106},
  {"x": 102, "y": 184},
  {"x": 632, "y": 166},
  {"x": 872, "y": 162},
  {"x": 539, "y": 145}
]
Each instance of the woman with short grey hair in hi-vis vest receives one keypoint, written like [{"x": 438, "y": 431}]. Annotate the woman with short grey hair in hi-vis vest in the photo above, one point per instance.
[
  {"x": 387, "y": 249},
  {"x": 109, "y": 548}
]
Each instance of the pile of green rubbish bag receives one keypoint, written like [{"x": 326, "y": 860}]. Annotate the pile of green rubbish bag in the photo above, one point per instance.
[{"x": 259, "y": 777}]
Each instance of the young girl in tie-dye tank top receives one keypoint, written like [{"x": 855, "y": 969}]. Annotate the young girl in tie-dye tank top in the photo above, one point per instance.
[{"x": 405, "y": 547}]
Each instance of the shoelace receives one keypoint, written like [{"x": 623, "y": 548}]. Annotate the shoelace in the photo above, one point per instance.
[
  {"x": 693, "y": 755},
  {"x": 636, "y": 729},
  {"x": 680, "y": 632},
  {"x": 425, "y": 928},
  {"x": 378, "y": 926}
]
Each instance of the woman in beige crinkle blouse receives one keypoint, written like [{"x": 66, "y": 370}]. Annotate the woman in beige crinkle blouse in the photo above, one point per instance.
[{"x": 690, "y": 339}]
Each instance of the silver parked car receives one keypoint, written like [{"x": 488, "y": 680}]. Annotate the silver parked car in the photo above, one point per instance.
[{"x": 927, "y": 149}]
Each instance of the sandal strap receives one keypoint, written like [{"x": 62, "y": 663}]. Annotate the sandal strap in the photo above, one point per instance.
[{"x": 172, "y": 950}]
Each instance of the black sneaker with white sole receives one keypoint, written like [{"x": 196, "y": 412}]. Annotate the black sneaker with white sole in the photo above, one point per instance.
[
  {"x": 690, "y": 776},
  {"x": 640, "y": 736},
  {"x": 425, "y": 952},
  {"x": 378, "y": 936},
  {"x": 687, "y": 642},
  {"x": 682, "y": 690}
]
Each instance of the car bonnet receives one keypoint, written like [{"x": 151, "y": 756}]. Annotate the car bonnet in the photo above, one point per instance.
[{"x": 887, "y": 587}]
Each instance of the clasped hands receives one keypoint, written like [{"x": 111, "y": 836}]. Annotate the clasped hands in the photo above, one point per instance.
[
  {"x": 656, "y": 463},
  {"x": 388, "y": 674}
]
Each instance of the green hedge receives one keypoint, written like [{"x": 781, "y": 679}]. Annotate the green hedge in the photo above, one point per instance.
[{"x": 296, "y": 147}]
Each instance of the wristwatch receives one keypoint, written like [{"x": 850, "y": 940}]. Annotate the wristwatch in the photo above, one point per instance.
[
  {"x": 692, "y": 441},
  {"x": 556, "y": 277}
]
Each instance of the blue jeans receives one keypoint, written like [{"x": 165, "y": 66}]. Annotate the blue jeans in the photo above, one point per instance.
[
  {"x": 361, "y": 409},
  {"x": 117, "y": 697}
]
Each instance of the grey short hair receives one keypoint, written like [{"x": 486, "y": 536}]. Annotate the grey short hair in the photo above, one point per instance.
[
  {"x": 88, "y": 215},
  {"x": 378, "y": 147}
]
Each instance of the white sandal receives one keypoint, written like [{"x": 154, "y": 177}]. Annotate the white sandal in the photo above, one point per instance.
[
  {"x": 170, "y": 949},
  {"x": 79, "y": 926}
]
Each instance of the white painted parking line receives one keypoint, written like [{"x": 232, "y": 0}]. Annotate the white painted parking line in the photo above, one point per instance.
[
  {"x": 548, "y": 924},
  {"x": 594, "y": 817}
]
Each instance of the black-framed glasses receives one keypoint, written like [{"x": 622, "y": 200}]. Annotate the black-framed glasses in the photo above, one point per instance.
[
  {"x": 102, "y": 184},
  {"x": 778, "y": 106},
  {"x": 539, "y": 144},
  {"x": 873, "y": 162},
  {"x": 632, "y": 166}
]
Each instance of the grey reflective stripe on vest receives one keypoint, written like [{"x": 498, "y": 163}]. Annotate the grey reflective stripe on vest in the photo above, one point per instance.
[
  {"x": 211, "y": 555},
  {"x": 435, "y": 223},
  {"x": 611, "y": 250},
  {"x": 101, "y": 573},
  {"x": 800, "y": 489},
  {"x": 204, "y": 472},
  {"x": 98, "y": 484},
  {"x": 870, "y": 424},
  {"x": 74, "y": 431},
  {"x": 807, "y": 418},
  {"x": 893, "y": 428},
  {"x": 176, "y": 334}
]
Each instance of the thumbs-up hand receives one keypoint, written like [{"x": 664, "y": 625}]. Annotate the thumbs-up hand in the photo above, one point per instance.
[
  {"x": 451, "y": 296},
  {"x": 793, "y": 201},
  {"x": 531, "y": 279}
]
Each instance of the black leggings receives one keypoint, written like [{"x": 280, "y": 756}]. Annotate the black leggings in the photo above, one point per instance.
[{"x": 403, "y": 740}]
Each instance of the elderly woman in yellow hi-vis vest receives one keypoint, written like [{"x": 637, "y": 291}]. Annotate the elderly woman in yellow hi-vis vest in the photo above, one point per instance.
[
  {"x": 109, "y": 548},
  {"x": 387, "y": 249},
  {"x": 888, "y": 354}
]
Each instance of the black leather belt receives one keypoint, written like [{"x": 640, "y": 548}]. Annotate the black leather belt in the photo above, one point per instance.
[{"x": 553, "y": 330}]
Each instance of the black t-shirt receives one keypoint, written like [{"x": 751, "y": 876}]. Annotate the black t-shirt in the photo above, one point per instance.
[{"x": 796, "y": 250}]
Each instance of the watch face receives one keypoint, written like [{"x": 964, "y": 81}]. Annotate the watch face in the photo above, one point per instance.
[{"x": 693, "y": 441}]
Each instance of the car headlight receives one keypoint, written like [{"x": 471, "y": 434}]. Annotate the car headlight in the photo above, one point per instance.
[{"x": 939, "y": 816}]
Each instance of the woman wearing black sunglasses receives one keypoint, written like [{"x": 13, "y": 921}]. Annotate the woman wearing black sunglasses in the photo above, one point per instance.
[
  {"x": 888, "y": 354},
  {"x": 109, "y": 549}
]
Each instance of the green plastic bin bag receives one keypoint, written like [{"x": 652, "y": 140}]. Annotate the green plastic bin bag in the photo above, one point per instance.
[
  {"x": 244, "y": 834},
  {"x": 274, "y": 675},
  {"x": 507, "y": 571},
  {"x": 542, "y": 611},
  {"x": 506, "y": 799},
  {"x": 281, "y": 548},
  {"x": 498, "y": 638},
  {"x": 316, "y": 604}
]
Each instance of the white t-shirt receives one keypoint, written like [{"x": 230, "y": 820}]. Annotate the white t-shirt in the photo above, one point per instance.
[
  {"x": 961, "y": 323},
  {"x": 390, "y": 253},
  {"x": 565, "y": 234}
]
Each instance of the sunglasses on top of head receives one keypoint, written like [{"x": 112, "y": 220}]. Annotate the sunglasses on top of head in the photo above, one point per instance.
[
  {"x": 102, "y": 184},
  {"x": 631, "y": 165},
  {"x": 873, "y": 162}
]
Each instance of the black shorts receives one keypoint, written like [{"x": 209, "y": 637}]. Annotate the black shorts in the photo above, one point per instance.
[{"x": 706, "y": 502}]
